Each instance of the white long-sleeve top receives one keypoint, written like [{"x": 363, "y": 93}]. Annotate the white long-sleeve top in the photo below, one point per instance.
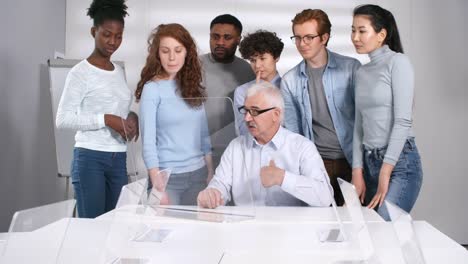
[
  {"x": 305, "y": 175},
  {"x": 88, "y": 95}
]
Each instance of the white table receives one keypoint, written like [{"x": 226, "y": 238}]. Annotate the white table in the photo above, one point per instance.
[{"x": 276, "y": 235}]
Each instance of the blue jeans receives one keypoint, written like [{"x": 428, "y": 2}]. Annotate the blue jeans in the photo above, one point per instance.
[
  {"x": 98, "y": 178},
  {"x": 405, "y": 180},
  {"x": 183, "y": 188}
]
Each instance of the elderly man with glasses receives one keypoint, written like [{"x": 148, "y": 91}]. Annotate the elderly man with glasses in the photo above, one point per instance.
[
  {"x": 319, "y": 95},
  {"x": 270, "y": 166}
]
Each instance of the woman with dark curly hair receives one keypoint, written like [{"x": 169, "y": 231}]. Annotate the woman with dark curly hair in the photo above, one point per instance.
[
  {"x": 263, "y": 50},
  {"x": 173, "y": 121},
  {"x": 96, "y": 102}
]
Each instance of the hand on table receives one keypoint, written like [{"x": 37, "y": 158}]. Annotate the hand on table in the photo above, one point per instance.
[{"x": 210, "y": 198}]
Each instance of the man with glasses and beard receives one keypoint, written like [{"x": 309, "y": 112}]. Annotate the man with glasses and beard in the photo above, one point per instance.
[
  {"x": 281, "y": 168},
  {"x": 319, "y": 95}
]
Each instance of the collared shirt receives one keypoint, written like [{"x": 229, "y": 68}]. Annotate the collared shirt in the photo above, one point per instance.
[
  {"x": 239, "y": 97},
  {"x": 338, "y": 83},
  {"x": 305, "y": 176}
]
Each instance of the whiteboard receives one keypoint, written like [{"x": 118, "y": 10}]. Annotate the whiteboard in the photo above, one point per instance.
[{"x": 64, "y": 138}]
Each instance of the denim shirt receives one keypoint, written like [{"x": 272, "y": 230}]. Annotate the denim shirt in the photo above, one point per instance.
[{"x": 338, "y": 82}]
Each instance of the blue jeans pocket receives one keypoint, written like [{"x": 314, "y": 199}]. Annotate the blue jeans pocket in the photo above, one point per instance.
[
  {"x": 402, "y": 164},
  {"x": 406, "y": 179},
  {"x": 75, "y": 168}
]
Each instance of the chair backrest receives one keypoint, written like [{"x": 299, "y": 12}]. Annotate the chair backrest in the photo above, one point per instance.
[{"x": 37, "y": 217}]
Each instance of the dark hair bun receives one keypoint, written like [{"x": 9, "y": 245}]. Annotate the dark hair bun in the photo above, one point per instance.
[{"x": 101, "y": 10}]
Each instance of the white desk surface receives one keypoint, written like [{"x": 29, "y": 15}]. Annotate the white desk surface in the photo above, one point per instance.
[
  {"x": 265, "y": 214},
  {"x": 277, "y": 235}
]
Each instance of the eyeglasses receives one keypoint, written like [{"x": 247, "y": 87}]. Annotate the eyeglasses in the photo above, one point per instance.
[
  {"x": 253, "y": 112},
  {"x": 307, "y": 39}
]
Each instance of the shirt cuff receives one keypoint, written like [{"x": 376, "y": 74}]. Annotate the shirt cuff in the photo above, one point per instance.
[
  {"x": 289, "y": 182},
  {"x": 151, "y": 164},
  {"x": 357, "y": 160},
  {"x": 390, "y": 160},
  {"x": 100, "y": 120}
]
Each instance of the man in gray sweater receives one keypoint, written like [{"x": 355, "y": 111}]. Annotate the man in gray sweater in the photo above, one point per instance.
[{"x": 223, "y": 72}]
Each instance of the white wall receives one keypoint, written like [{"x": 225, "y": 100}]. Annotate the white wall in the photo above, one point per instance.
[
  {"x": 434, "y": 36},
  {"x": 441, "y": 62},
  {"x": 274, "y": 15},
  {"x": 31, "y": 31},
  {"x": 196, "y": 16}
]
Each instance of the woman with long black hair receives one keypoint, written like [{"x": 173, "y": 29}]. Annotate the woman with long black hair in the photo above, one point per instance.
[{"x": 386, "y": 162}]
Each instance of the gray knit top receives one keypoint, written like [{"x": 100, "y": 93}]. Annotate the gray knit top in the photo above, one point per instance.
[{"x": 384, "y": 105}]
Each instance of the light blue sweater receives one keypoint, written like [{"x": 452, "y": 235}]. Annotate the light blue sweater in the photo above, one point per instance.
[
  {"x": 384, "y": 104},
  {"x": 174, "y": 135}
]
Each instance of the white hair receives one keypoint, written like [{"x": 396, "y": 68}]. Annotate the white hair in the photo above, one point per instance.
[{"x": 272, "y": 94}]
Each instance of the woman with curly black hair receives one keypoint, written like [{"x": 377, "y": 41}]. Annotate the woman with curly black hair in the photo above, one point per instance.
[
  {"x": 263, "y": 50},
  {"x": 96, "y": 102}
]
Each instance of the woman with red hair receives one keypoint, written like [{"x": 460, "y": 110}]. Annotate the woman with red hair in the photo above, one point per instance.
[{"x": 173, "y": 121}]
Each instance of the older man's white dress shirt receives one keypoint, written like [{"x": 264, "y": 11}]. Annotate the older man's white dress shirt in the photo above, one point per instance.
[{"x": 238, "y": 175}]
